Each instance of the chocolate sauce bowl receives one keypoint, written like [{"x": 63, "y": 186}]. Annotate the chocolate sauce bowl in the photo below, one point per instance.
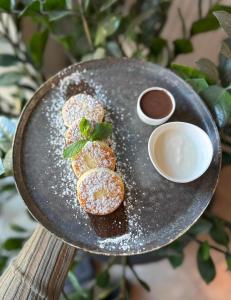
[{"x": 155, "y": 105}]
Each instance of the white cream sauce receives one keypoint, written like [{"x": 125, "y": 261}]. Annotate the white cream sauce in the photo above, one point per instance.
[{"x": 177, "y": 154}]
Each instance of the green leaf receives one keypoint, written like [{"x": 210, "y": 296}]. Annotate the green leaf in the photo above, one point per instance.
[
  {"x": 101, "y": 131},
  {"x": 7, "y": 60},
  {"x": 57, "y": 15},
  {"x": 86, "y": 4},
  {"x": 2, "y": 170},
  {"x": 224, "y": 19},
  {"x": 76, "y": 285},
  {"x": 37, "y": 46},
  {"x": 114, "y": 49},
  {"x": 104, "y": 295},
  {"x": 85, "y": 127},
  {"x": 205, "y": 250},
  {"x": 219, "y": 234},
  {"x": 176, "y": 257},
  {"x": 187, "y": 72},
  {"x": 219, "y": 102},
  {"x": 5, "y": 5},
  {"x": 228, "y": 261},
  {"x": 219, "y": 7},
  {"x": 176, "y": 260},
  {"x": 31, "y": 9},
  {"x": 225, "y": 50},
  {"x": 8, "y": 163},
  {"x": 198, "y": 84},
  {"x": 206, "y": 266},
  {"x": 106, "y": 27},
  {"x": 18, "y": 228},
  {"x": 10, "y": 78},
  {"x": 78, "y": 296},
  {"x": 67, "y": 41},
  {"x": 55, "y": 5},
  {"x": 103, "y": 279},
  {"x": 3, "y": 261},
  {"x": 13, "y": 244},
  {"x": 182, "y": 46},
  {"x": 201, "y": 226},
  {"x": 208, "y": 23},
  {"x": 73, "y": 149},
  {"x": 107, "y": 4},
  {"x": 157, "y": 45},
  {"x": 209, "y": 68},
  {"x": 8, "y": 187}
]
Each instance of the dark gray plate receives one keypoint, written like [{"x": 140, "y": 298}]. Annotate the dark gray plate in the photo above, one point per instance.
[{"x": 156, "y": 211}]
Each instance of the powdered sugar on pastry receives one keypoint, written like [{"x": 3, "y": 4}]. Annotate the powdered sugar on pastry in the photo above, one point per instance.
[
  {"x": 100, "y": 191},
  {"x": 79, "y": 106},
  {"x": 73, "y": 134},
  {"x": 93, "y": 155}
]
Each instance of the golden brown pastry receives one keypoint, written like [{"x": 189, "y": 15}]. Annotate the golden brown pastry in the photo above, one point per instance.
[
  {"x": 94, "y": 154},
  {"x": 79, "y": 106},
  {"x": 100, "y": 191}
]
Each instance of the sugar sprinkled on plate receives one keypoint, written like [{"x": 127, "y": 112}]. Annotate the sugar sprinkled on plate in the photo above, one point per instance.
[{"x": 68, "y": 181}]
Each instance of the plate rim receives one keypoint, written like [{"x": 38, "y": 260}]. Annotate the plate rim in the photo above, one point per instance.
[{"x": 18, "y": 145}]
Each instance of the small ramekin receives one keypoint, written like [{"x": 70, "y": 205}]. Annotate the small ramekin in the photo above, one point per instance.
[
  {"x": 152, "y": 121},
  {"x": 202, "y": 141}
]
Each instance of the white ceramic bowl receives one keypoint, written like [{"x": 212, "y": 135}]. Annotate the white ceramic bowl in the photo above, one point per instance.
[
  {"x": 153, "y": 121},
  {"x": 181, "y": 152}
]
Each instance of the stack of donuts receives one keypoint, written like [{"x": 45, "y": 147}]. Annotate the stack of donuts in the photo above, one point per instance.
[{"x": 100, "y": 190}]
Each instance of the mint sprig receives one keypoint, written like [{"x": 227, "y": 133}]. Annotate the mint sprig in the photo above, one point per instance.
[
  {"x": 101, "y": 131},
  {"x": 74, "y": 149},
  {"x": 85, "y": 128}
]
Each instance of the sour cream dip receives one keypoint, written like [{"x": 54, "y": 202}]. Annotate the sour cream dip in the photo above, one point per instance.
[{"x": 181, "y": 152}]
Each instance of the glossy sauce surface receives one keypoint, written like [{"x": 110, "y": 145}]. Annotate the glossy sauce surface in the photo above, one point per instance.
[{"x": 156, "y": 104}]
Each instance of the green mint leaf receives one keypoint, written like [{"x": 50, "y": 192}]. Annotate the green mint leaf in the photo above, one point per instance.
[
  {"x": 73, "y": 149},
  {"x": 101, "y": 131},
  {"x": 85, "y": 127}
]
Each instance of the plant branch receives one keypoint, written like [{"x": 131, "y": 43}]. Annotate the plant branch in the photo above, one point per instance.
[
  {"x": 198, "y": 241},
  {"x": 122, "y": 295},
  {"x": 85, "y": 26},
  {"x": 184, "y": 30},
  {"x": 210, "y": 217},
  {"x": 200, "y": 9}
]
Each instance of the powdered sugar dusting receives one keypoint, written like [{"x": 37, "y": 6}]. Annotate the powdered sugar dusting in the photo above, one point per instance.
[
  {"x": 57, "y": 129},
  {"x": 73, "y": 78},
  {"x": 101, "y": 191},
  {"x": 79, "y": 106},
  {"x": 93, "y": 155},
  {"x": 73, "y": 134},
  {"x": 123, "y": 168}
]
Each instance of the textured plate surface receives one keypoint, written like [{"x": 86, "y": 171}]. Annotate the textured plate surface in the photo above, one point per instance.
[{"x": 156, "y": 210}]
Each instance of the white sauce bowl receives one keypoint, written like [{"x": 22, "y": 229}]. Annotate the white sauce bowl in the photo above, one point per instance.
[
  {"x": 153, "y": 121},
  {"x": 181, "y": 152}
]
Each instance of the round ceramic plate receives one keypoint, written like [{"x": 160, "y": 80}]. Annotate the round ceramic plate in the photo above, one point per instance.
[{"x": 156, "y": 211}]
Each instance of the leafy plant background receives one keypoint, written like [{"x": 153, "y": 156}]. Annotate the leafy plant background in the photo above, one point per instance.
[{"x": 96, "y": 29}]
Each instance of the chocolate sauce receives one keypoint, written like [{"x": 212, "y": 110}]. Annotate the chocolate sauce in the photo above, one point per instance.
[{"x": 156, "y": 104}]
